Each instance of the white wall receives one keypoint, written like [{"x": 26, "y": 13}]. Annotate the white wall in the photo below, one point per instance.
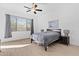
[
  {"x": 15, "y": 35},
  {"x": 68, "y": 15}
]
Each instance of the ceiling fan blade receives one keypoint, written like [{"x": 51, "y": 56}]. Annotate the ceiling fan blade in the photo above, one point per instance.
[
  {"x": 27, "y": 7},
  {"x": 34, "y": 12},
  {"x": 28, "y": 10},
  {"x": 38, "y": 10}
]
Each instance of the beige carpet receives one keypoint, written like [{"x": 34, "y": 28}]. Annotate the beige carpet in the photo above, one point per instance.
[{"x": 25, "y": 48}]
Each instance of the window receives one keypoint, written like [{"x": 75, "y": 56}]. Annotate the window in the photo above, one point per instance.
[
  {"x": 20, "y": 24},
  {"x": 28, "y": 25},
  {"x": 13, "y": 23}
]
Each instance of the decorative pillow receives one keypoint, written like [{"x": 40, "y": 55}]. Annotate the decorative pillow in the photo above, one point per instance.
[{"x": 55, "y": 30}]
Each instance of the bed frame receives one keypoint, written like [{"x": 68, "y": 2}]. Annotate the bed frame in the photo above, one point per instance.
[{"x": 45, "y": 45}]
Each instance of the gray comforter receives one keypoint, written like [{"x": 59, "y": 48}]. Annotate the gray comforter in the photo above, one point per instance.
[{"x": 45, "y": 37}]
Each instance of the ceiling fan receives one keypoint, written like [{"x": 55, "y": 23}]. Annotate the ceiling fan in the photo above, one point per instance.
[{"x": 33, "y": 8}]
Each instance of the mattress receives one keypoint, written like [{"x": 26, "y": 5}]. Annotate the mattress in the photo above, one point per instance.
[{"x": 45, "y": 37}]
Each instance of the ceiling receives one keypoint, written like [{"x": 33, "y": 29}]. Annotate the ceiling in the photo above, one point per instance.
[{"x": 19, "y": 7}]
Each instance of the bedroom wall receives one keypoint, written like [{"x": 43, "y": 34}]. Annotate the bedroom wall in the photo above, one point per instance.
[
  {"x": 15, "y": 35},
  {"x": 68, "y": 16}
]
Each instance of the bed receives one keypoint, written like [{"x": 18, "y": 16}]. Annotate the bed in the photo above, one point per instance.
[{"x": 46, "y": 38}]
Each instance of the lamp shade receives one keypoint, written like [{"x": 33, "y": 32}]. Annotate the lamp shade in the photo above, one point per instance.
[{"x": 66, "y": 32}]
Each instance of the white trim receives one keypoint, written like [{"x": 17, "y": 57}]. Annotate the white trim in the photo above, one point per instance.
[{"x": 74, "y": 42}]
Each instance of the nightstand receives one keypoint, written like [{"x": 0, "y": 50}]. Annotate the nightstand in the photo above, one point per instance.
[{"x": 65, "y": 40}]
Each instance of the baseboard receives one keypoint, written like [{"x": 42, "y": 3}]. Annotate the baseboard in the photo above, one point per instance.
[
  {"x": 74, "y": 42},
  {"x": 11, "y": 39}
]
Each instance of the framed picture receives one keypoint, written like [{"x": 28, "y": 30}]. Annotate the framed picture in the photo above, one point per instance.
[{"x": 54, "y": 24}]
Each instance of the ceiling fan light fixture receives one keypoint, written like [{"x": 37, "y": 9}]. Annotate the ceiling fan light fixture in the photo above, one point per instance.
[{"x": 34, "y": 8}]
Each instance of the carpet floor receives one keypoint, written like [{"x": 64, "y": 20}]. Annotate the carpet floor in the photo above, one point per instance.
[{"x": 25, "y": 48}]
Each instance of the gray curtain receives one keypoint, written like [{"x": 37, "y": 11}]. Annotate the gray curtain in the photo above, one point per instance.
[
  {"x": 8, "y": 27},
  {"x": 32, "y": 28}
]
